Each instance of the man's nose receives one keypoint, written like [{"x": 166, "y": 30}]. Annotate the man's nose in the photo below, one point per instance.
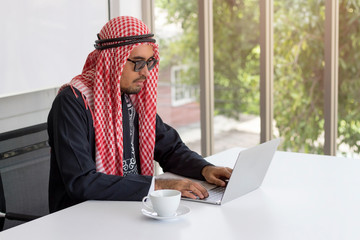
[{"x": 145, "y": 71}]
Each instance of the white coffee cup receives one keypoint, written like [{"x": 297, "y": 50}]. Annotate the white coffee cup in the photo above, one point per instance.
[{"x": 164, "y": 202}]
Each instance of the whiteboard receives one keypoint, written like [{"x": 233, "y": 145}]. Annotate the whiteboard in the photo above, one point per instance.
[{"x": 44, "y": 43}]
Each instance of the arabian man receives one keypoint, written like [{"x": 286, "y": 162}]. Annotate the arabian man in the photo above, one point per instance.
[{"x": 104, "y": 131}]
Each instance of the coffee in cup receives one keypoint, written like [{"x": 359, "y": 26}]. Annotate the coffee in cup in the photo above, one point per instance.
[{"x": 164, "y": 202}]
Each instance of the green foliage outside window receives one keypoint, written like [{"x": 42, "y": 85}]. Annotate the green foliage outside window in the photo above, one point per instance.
[{"x": 298, "y": 64}]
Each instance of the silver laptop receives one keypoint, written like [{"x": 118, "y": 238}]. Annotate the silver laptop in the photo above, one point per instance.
[{"x": 248, "y": 174}]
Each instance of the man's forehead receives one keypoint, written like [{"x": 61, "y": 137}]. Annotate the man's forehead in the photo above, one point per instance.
[{"x": 143, "y": 51}]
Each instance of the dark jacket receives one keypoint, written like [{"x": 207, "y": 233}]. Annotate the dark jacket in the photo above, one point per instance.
[{"x": 73, "y": 176}]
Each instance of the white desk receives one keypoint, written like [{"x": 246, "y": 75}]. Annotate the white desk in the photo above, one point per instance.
[{"x": 303, "y": 197}]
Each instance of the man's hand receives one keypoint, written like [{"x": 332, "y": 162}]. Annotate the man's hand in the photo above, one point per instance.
[
  {"x": 187, "y": 187},
  {"x": 216, "y": 175}
]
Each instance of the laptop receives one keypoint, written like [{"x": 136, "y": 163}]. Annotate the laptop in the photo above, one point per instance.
[{"x": 248, "y": 174}]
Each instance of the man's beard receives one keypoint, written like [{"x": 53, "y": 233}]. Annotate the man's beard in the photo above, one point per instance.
[{"x": 133, "y": 89}]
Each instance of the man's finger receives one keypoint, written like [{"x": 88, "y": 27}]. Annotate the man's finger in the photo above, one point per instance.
[
  {"x": 219, "y": 182},
  {"x": 199, "y": 190},
  {"x": 227, "y": 172},
  {"x": 188, "y": 194},
  {"x": 202, "y": 189}
]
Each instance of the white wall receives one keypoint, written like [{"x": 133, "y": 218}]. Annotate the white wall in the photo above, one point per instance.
[
  {"x": 18, "y": 111},
  {"x": 130, "y": 8},
  {"x": 44, "y": 44}
]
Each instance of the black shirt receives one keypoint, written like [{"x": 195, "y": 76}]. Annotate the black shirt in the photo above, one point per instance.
[{"x": 73, "y": 175}]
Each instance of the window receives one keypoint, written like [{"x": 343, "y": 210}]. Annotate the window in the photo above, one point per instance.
[
  {"x": 299, "y": 74},
  {"x": 349, "y": 79},
  {"x": 176, "y": 26},
  {"x": 298, "y": 59},
  {"x": 236, "y": 74}
]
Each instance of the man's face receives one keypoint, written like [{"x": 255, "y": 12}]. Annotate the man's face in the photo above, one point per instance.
[{"x": 132, "y": 82}]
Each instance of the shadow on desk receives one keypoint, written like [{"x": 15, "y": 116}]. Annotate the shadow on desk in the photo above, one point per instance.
[{"x": 24, "y": 173}]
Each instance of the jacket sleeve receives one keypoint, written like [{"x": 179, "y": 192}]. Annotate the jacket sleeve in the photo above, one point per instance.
[
  {"x": 73, "y": 156},
  {"x": 173, "y": 155}
]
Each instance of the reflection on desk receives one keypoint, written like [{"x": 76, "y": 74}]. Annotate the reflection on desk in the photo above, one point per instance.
[{"x": 303, "y": 196}]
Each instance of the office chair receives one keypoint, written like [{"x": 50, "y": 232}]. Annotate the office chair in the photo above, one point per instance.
[
  {"x": 24, "y": 175},
  {"x": 10, "y": 215}
]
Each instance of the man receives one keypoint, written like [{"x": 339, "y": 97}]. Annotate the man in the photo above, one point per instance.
[{"x": 104, "y": 132}]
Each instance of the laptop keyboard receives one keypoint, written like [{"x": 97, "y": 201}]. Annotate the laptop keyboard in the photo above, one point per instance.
[{"x": 215, "y": 194}]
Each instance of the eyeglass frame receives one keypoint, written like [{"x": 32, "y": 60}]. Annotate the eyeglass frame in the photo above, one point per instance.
[{"x": 146, "y": 63}]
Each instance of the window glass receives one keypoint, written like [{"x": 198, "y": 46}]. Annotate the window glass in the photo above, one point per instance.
[
  {"x": 349, "y": 79},
  {"x": 176, "y": 29},
  {"x": 236, "y": 73},
  {"x": 299, "y": 74}
]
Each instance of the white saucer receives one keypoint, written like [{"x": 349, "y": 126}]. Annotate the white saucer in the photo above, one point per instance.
[{"x": 181, "y": 211}]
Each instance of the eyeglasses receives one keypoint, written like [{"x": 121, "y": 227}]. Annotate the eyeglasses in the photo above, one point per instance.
[{"x": 150, "y": 63}]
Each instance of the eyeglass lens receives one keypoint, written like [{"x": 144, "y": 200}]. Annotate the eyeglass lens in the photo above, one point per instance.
[{"x": 141, "y": 64}]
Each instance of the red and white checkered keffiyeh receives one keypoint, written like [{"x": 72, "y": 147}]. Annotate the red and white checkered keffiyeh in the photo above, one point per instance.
[{"x": 100, "y": 83}]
